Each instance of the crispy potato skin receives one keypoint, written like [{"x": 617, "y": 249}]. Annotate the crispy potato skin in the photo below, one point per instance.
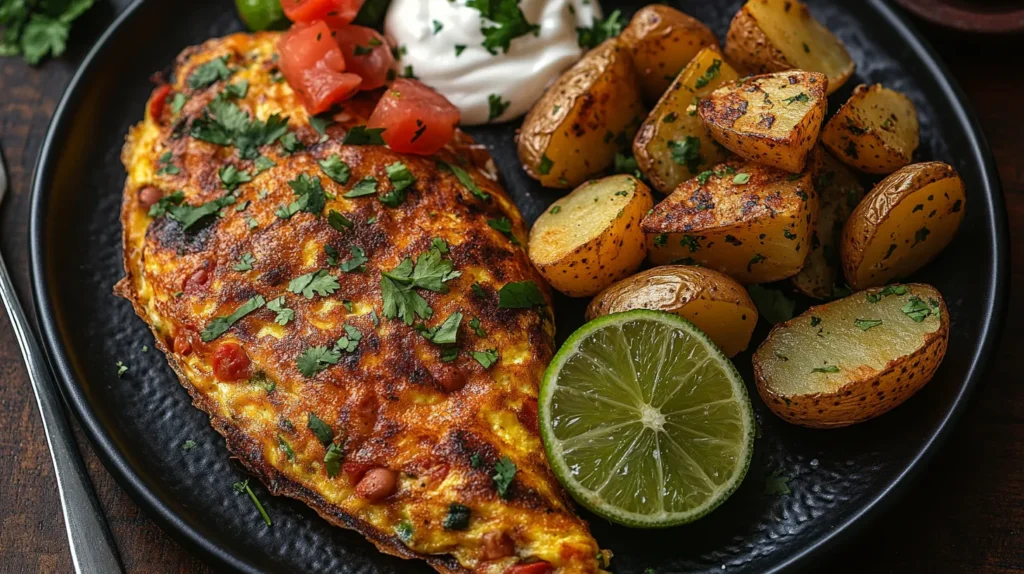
[
  {"x": 777, "y": 35},
  {"x": 712, "y": 301},
  {"x": 574, "y": 131},
  {"x": 902, "y": 224},
  {"x": 662, "y": 40},
  {"x": 772, "y": 119},
  {"x": 839, "y": 192},
  {"x": 755, "y": 232},
  {"x": 392, "y": 399},
  {"x": 875, "y": 131},
  {"x": 674, "y": 119},
  {"x": 591, "y": 238},
  {"x": 869, "y": 393}
]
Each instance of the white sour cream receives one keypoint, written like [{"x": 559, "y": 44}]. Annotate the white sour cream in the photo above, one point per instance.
[{"x": 428, "y": 32}]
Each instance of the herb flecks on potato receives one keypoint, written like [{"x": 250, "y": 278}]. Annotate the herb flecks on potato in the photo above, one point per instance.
[
  {"x": 591, "y": 238},
  {"x": 749, "y": 221},
  {"x": 875, "y": 131},
  {"x": 854, "y": 358},
  {"x": 772, "y": 119},
  {"x": 902, "y": 224},
  {"x": 662, "y": 40},
  {"x": 712, "y": 301},
  {"x": 590, "y": 113},
  {"x": 672, "y": 144},
  {"x": 777, "y": 35}
]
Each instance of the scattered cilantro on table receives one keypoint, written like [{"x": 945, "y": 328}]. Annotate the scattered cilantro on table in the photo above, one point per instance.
[{"x": 35, "y": 30}]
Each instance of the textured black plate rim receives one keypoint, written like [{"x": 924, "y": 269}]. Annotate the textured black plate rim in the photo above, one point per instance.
[{"x": 116, "y": 463}]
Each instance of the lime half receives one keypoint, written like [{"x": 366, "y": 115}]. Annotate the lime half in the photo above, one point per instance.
[{"x": 644, "y": 420}]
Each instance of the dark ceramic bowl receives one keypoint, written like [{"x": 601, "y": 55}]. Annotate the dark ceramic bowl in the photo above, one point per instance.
[{"x": 138, "y": 423}]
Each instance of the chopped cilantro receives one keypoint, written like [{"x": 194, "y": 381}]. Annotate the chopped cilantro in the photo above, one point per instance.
[
  {"x": 775, "y": 484},
  {"x": 322, "y": 430},
  {"x": 317, "y": 283},
  {"x": 236, "y": 90},
  {"x": 545, "y": 165},
  {"x": 826, "y": 369},
  {"x": 459, "y": 48},
  {"x": 338, "y": 221},
  {"x": 335, "y": 169},
  {"x": 888, "y": 290},
  {"x": 223, "y": 123},
  {"x": 262, "y": 164},
  {"x": 404, "y": 530},
  {"x": 401, "y": 178},
  {"x": 350, "y": 340},
  {"x": 503, "y": 22},
  {"x": 554, "y": 210},
  {"x": 445, "y": 333},
  {"x": 504, "y": 225},
  {"x": 219, "y": 325},
  {"x": 801, "y": 97},
  {"x": 185, "y": 214},
  {"x": 520, "y": 295},
  {"x": 457, "y": 518},
  {"x": 710, "y": 74},
  {"x": 360, "y": 135},
  {"x": 316, "y": 359},
  {"x": 918, "y": 310},
  {"x": 496, "y": 106},
  {"x": 188, "y": 445},
  {"x": 356, "y": 262},
  {"x": 286, "y": 448},
  {"x": 284, "y": 314},
  {"x": 865, "y": 324},
  {"x": 600, "y": 30},
  {"x": 467, "y": 181},
  {"x": 431, "y": 272},
  {"x": 245, "y": 263},
  {"x": 232, "y": 177},
  {"x": 243, "y": 487},
  {"x": 474, "y": 324},
  {"x": 486, "y": 358},
  {"x": 366, "y": 186},
  {"x": 687, "y": 153},
  {"x": 504, "y": 473},
  {"x": 321, "y": 122},
  {"x": 332, "y": 460},
  {"x": 312, "y": 197},
  {"x": 121, "y": 369},
  {"x": 741, "y": 178},
  {"x": 209, "y": 73}
]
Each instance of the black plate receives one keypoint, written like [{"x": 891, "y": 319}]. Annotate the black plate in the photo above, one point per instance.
[{"x": 139, "y": 423}]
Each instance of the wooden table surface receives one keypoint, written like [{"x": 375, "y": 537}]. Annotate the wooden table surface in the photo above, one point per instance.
[{"x": 965, "y": 514}]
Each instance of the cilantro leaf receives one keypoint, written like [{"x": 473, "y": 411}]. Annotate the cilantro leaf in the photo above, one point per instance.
[
  {"x": 508, "y": 20},
  {"x": 262, "y": 164},
  {"x": 709, "y": 74},
  {"x": 159, "y": 208},
  {"x": 356, "y": 262},
  {"x": 332, "y": 460},
  {"x": 865, "y": 324},
  {"x": 243, "y": 487},
  {"x": 232, "y": 177},
  {"x": 600, "y": 30},
  {"x": 209, "y": 73},
  {"x": 467, "y": 181},
  {"x": 504, "y": 473},
  {"x": 322, "y": 430},
  {"x": 496, "y": 106},
  {"x": 224, "y": 124},
  {"x": 801, "y": 97},
  {"x": 917, "y": 309},
  {"x": 772, "y": 304},
  {"x": 188, "y": 215},
  {"x": 319, "y": 282},
  {"x": 401, "y": 178},
  {"x": 402, "y": 302},
  {"x": 339, "y": 221},
  {"x": 366, "y": 186},
  {"x": 335, "y": 169},
  {"x": 312, "y": 197},
  {"x": 775, "y": 484},
  {"x": 236, "y": 90},
  {"x": 888, "y": 290},
  {"x": 284, "y": 314},
  {"x": 826, "y": 369},
  {"x": 504, "y": 225},
  {"x": 316, "y": 359},
  {"x": 520, "y": 295},
  {"x": 286, "y": 448},
  {"x": 445, "y": 333},
  {"x": 486, "y": 358},
  {"x": 474, "y": 324},
  {"x": 244, "y": 263},
  {"x": 350, "y": 340},
  {"x": 321, "y": 122},
  {"x": 219, "y": 325},
  {"x": 360, "y": 135}
]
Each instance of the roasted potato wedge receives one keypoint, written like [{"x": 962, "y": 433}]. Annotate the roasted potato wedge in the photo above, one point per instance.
[
  {"x": 772, "y": 119},
  {"x": 574, "y": 131},
  {"x": 749, "y": 221},
  {"x": 875, "y": 131},
  {"x": 839, "y": 192},
  {"x": 902, "y": 224},
  {"x": 672, "y": 145},
  {"x": 777, "y": 35},
  {"x": 710, "y": 300},
  {"x": 591, "y": 238},
  {"x": 854, "y": 358},
  {"x": 662, "y": 40}
]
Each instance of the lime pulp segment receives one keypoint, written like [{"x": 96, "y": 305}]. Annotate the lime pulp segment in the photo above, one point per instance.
[{"x": 644, "y": 420}]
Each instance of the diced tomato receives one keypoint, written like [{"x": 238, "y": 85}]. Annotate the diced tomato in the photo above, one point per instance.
[
  {"x": 314, "y": 66},
  {"x": 158, "y": 100},
  {"x": 532, "y": 568},
  {"x": 355, "y": 471},
  {"x": 334, "y": 12},
  {"x": 230, "y": 363},
  {"x": 199, "y": 280},
  {"x": 182, "y": 343},
  {"x": 415, "y": 118},
  {"x": 367, "y": 54}
]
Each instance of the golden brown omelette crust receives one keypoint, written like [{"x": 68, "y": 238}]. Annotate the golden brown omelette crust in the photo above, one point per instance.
[{"x": 386, "y": 401}]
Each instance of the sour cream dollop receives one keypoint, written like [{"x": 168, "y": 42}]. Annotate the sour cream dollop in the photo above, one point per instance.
[{"x": 441, "y": 43}]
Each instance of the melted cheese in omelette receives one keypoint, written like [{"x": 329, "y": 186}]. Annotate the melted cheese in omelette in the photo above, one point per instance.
[{"x": 392, "y": 402}]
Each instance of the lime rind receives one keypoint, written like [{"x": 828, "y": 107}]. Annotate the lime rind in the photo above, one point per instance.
[{"x": 621, "y": 406}]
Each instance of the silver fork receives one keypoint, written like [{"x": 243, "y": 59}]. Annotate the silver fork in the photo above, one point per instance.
[{"x": 92, "y": 547}]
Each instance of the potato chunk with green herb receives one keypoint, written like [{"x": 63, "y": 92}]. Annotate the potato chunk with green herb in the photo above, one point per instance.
[
  {"x": 772, "y": 119},
  {"x": 672, "y": 144},
  {"x": 875, "y": 131},
  {"x": 854, "y": 358},
  {"x": 749, "y": 221}
]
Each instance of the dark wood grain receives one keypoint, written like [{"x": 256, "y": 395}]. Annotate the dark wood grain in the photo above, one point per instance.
[{"x": 965, "y": 514}]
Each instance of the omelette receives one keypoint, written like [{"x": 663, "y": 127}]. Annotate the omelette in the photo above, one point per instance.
[{"x": 363, "y": 327}]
